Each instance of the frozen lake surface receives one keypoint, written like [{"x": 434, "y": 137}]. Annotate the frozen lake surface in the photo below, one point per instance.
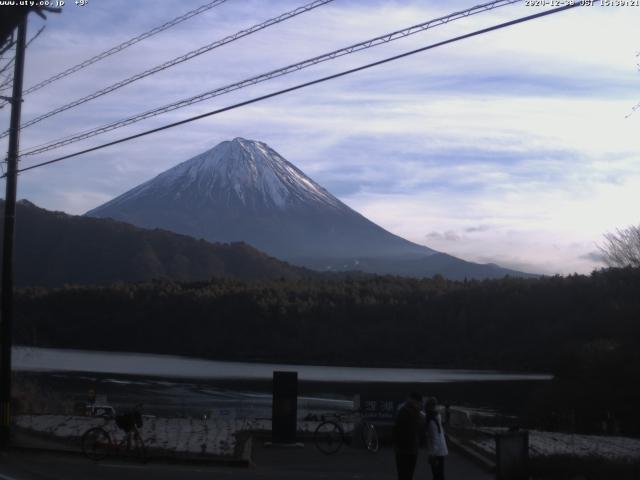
[{"x": 58, "y": 360}]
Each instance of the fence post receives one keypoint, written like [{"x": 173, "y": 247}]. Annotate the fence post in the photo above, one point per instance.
[
  {"x": 512, "y": 455},
  {"x": 285, "y": 407}
]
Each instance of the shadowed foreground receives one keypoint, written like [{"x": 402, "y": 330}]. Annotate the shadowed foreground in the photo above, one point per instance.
[{"x": 269, "y": 464}]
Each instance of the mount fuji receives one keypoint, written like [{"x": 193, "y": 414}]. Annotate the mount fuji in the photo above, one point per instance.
[{"x": 243, "y": 190}]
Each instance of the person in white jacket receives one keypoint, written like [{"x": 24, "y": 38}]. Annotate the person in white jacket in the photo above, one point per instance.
[{"x": 436, "y": 442}]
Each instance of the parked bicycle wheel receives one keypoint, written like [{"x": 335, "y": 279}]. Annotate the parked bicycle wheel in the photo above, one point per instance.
[
  {"x": 370, "y": 437},
  {"x": 96, "y": 443},
  {"x": 328, "y": 437}
]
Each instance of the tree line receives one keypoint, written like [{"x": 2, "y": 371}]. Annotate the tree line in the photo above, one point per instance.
[
  {"x": 513, "y": 323},
  {"x": 582, "y": 328}
]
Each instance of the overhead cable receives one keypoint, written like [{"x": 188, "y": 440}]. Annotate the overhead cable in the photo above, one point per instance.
[
  {"x": 123, "y": 45},
  {"x": 177, "y": 60},
  {"x": 10, "y": 62},
  {"x": 268, "y": 76},
  {"x": 304, "y": 85},
  {"x": 7, "y": 82}
]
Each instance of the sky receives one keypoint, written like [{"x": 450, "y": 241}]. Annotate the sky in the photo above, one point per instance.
[{"x": 518, "y": 147}]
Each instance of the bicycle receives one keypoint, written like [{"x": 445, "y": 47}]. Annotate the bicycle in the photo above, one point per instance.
[
  {"x": 329, "y": 436},
  {"x": 97, "y": 442}
]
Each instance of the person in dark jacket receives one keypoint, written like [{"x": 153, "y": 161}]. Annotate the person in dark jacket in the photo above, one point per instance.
[{"x": 407, "y": 430}]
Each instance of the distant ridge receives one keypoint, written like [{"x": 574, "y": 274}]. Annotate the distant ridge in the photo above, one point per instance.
[
  {"x": 53, "y": 249},
  {"x": 243, "y": 190}
]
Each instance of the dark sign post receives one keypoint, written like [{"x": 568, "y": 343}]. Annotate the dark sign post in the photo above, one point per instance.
[
  {"x": 512, "y": 455},
  {"x": 285, "y": 407}
]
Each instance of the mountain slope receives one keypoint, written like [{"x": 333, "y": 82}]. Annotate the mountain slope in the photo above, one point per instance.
[
  {"x": 53, "y": 248},
  {"x": 414, "y": 266},
  {"x": 242, "y": 190}
]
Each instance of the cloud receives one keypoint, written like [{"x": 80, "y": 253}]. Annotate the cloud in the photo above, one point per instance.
[
  {"x": 510, "y": 148},
  {"x": 478, "y": 228},
  {"x": 448, "y": 236},
  {"x": 595, "y": 256},
  {"x": 551, "y": 230}
]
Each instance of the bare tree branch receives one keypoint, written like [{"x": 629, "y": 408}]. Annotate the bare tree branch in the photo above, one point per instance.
[{"x": 622, "y": 248}]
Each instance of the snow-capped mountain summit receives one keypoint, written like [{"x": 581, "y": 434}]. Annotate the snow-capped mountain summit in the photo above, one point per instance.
[
  {"x": 243, "y": 190},
  {"x": 239, "y": 174}
]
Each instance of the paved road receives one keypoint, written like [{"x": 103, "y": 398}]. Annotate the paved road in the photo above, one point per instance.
[{"x": 270, "y": 464}]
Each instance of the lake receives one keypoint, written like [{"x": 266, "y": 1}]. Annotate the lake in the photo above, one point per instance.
[
  {"x": 173, "y": 385},
  {"x": 47, "y": 359}
]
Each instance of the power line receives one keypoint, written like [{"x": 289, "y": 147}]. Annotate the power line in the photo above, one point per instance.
[
  {"x": 306, "y": 84},
  {"x": 36, "y": 35},
  {"x": 9, "y": 44},
  {"x": 269, "y": 75},
  {"x": 123, "y": 45},
  {"x": 178, "y": 60},
  {"x": 10, "y": 62},
  {"x": 7, "y": 82}
]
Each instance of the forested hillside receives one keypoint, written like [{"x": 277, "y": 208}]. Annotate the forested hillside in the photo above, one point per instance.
[
  {"x": 525, "y": 324},
  {"x": 53, "y": 249}
]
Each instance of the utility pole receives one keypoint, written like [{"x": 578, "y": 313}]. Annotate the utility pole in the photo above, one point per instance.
[{"x": 6, "y": 309}]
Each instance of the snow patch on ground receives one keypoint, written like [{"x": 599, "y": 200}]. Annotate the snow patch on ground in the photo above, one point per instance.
[
  {"x": 215, "y": 436},
  {"x": 545, "y": 444}
]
